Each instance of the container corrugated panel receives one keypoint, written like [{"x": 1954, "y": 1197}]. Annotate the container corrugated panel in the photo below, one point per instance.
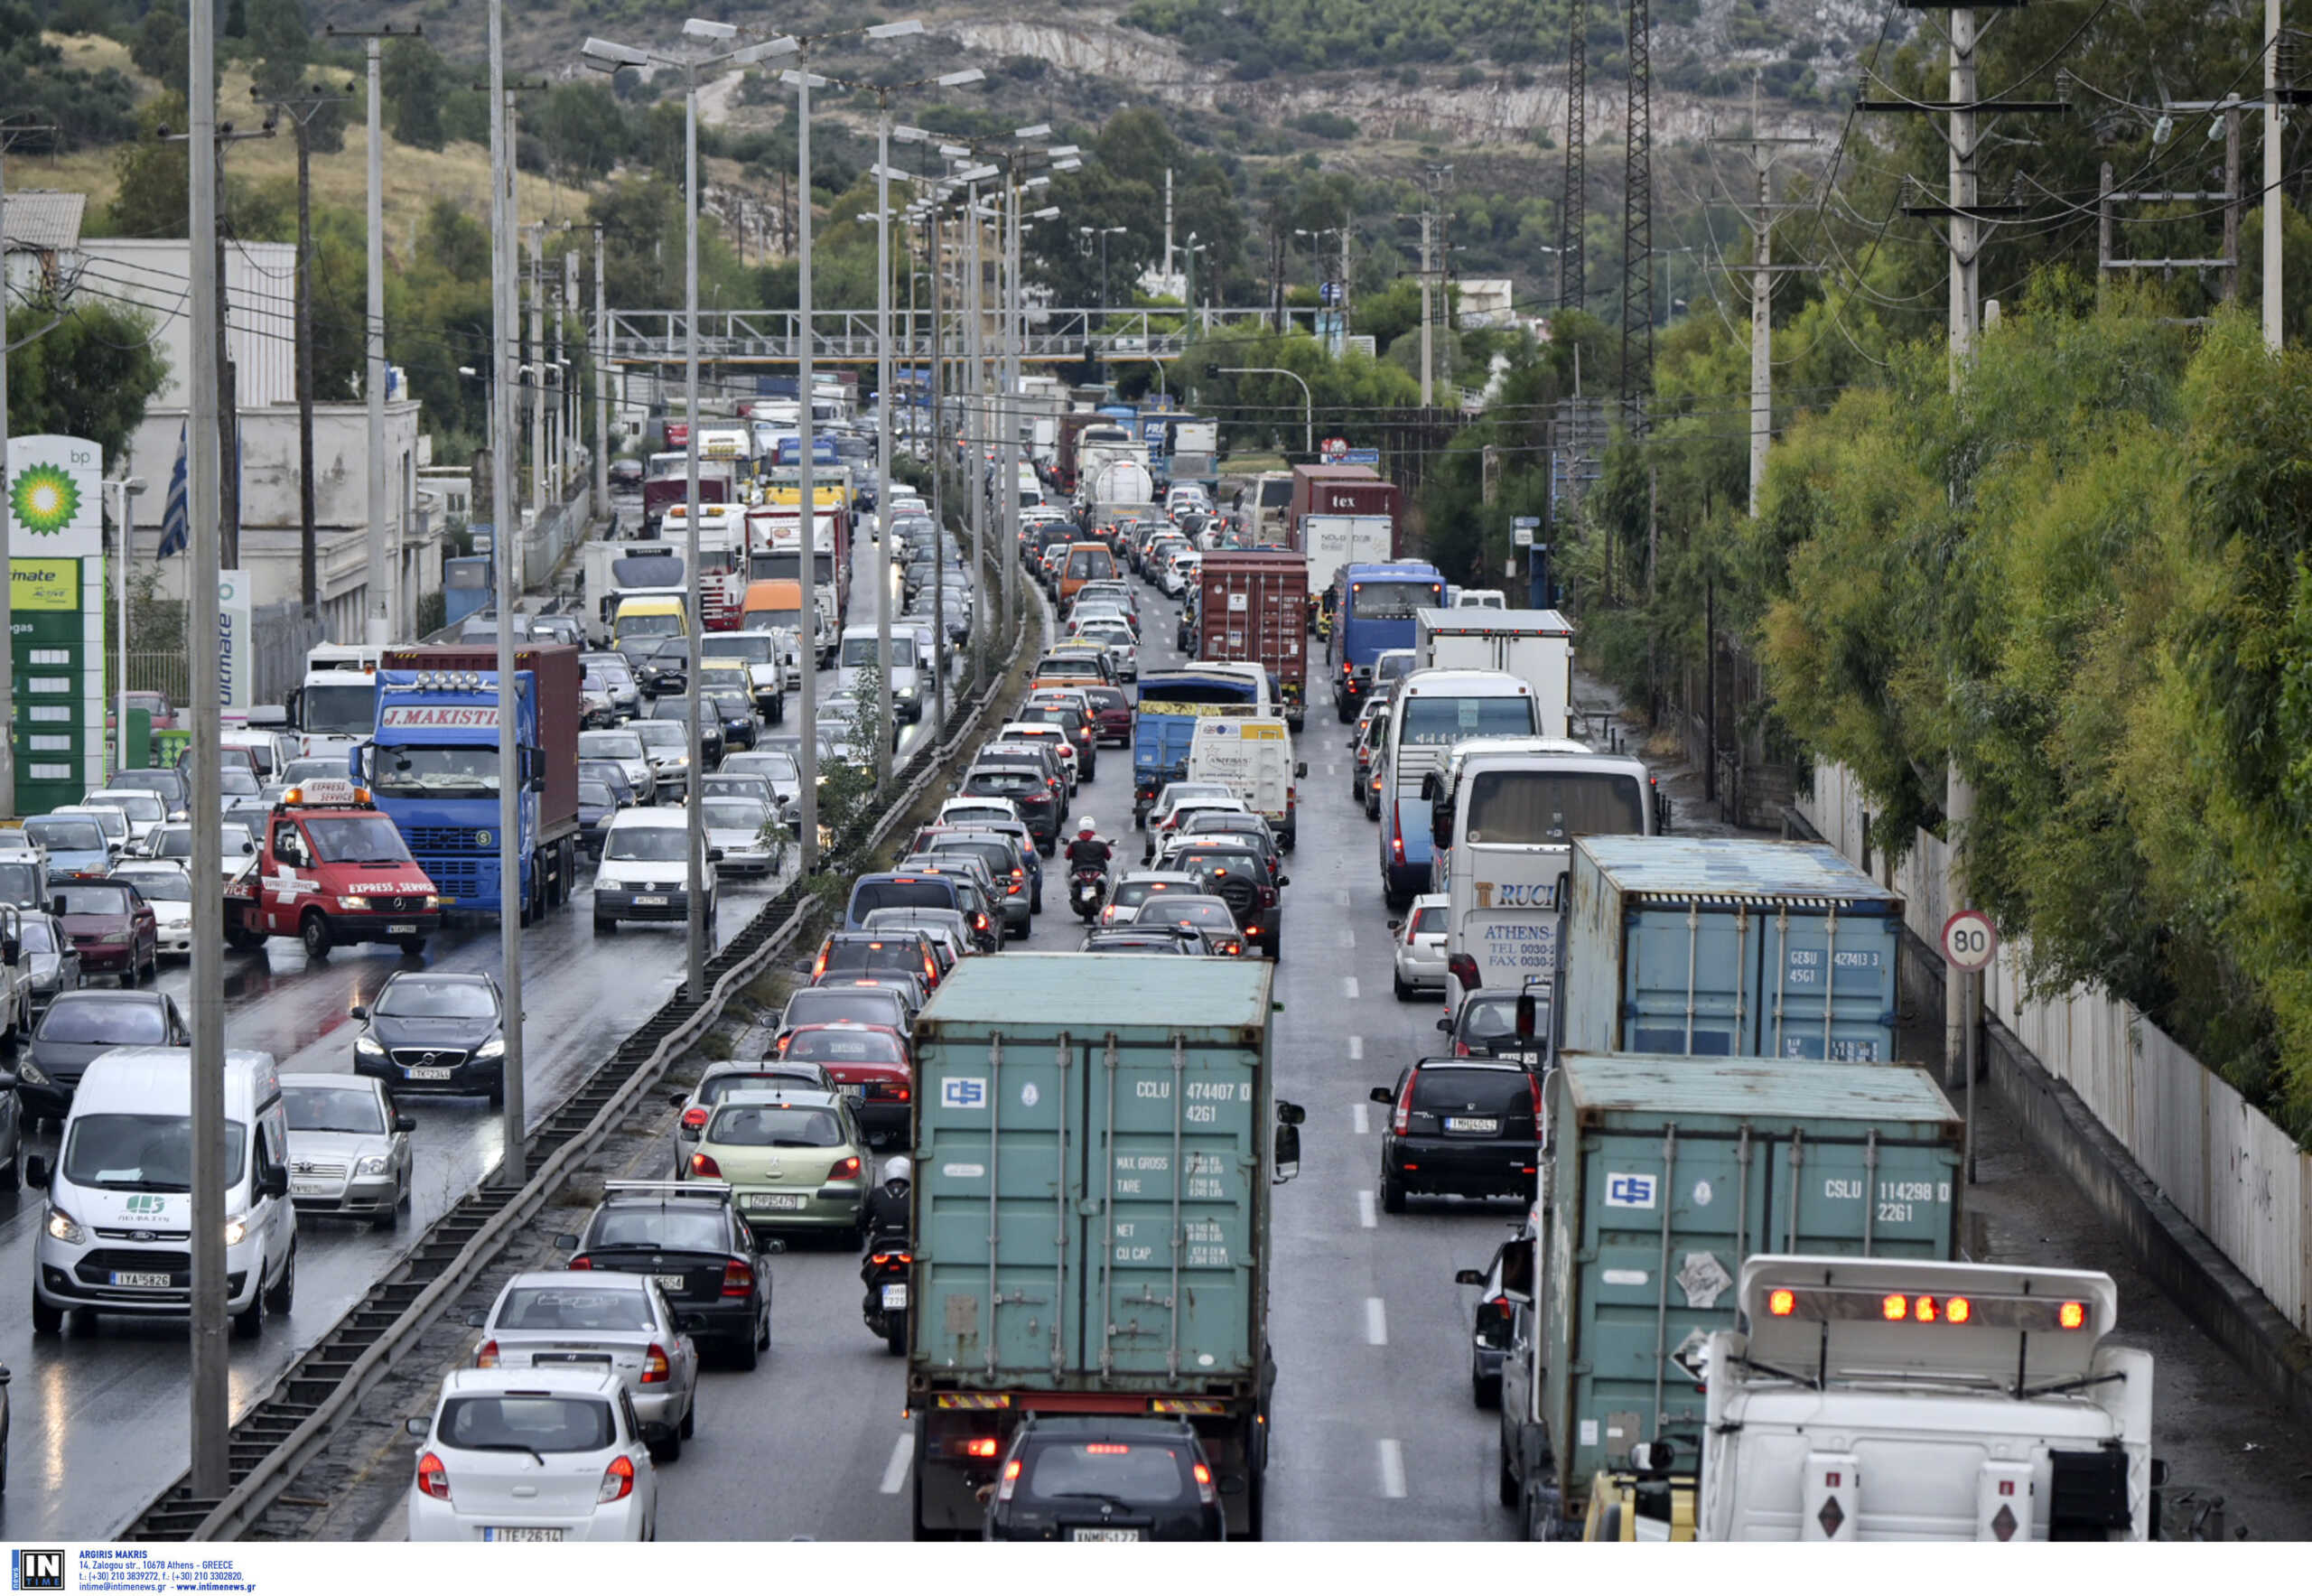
[
  {"x": 1727, "y": 946},
  {"x": 1667, "y": 1172},
  {"x": 1091, "y": 1176},
  {"x": 1255, "y": 607}
]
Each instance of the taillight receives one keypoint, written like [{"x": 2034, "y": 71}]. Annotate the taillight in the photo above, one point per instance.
[
  {"x": 1009, "y": 1482},
  {"x": 738, "y": 1279},
  {"x": 581, "y": 1262},
  {"x": 1461, "y": 1049},
  {"x": 819, "y": 964},
  {"x": 1397, "y": 831},
  {"x": 846, "y": 1169},
  {"x": 982, "y": 1447},
  {"x": 700, "y": 1164},
  {"x": 617, "y": 1481},
  {"x": 1402, "y": 1123},
  {"x": 1204, "y": 1491},
  {"x": 432, "y": 1478},
  {"x": 655, "y": 1370},
  {"x": 694, "y": 1119},
  {"x": 883, "y": 1259},
  {"x": 486, "y": 1355}
]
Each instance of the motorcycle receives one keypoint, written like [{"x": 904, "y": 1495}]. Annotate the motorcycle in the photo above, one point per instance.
[
  {"x": 884, "y": 1270},
  {"x": 1086, "y": 886}
]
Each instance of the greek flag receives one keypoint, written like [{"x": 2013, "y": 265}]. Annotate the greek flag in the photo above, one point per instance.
[{"x": 176, "y": 519}]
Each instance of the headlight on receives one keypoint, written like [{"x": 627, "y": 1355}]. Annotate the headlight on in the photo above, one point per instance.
[
  {"x": 495, "y": 1048},
  {"x": 375, "y": 1165},
  {"x": 236, "y": 1230},
  {"x": 370, "y": 1045},
  {"x": 431, "y": 901},
  {"x": 65, "y": 1228},
  {"x": 353, "y": 903}
]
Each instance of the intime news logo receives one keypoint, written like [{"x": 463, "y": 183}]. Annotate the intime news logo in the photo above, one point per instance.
[{"x": 35, "y": 1570}]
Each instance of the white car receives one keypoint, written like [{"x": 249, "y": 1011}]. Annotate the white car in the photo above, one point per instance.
[
  {"x": 643, "y": 874},
  {"x": 169, "y": 890},
  {"x": 1179, "y": 574},
  {"x": 742, "y": 830},
  {"x": 534, "y": 1454},
  {"x": 623, "y": 747},
  {"x": 1163, "y": 828},
  {"x": 1419, "y": 946},
  {"x": 963, "y": 811},
  {"x": 544, "y": 1316},
  {"x": 145, "y": 811},
  {"x": 1116, "y": 636},
  {"x": 1174, "y": 794}
]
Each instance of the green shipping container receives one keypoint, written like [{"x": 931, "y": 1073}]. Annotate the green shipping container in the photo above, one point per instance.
[{"x": 1665, "y": 1173}]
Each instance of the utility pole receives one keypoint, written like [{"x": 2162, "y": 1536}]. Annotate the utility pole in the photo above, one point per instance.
[
  {"x": 9, "y": 133},
  {"x": 601, "y": 347},
  {"x": 1428, "y": 357},
  {"x": 541, "y": 494},
  {"x": 505, "y": 550},
  {"x": 1573, "y": 210},
  {"x": 939, "y": 466},
  {"x": 1763, "y": 152},
  {"x": 2271, "y": 189},
  {"x": 975, "y": 390},
  {"x": 879, "y": 546},
  {"x": 565, "y": 343},
  {"x": 807, "y": 518},
  {"x": 1637, "y": 220}
]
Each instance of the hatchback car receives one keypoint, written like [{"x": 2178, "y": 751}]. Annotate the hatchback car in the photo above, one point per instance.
[
  {"x": 1028, "y": 793},
  {"x": 76, "y": 1027},
  {"x": 866, "y": 1006},
  {"x": 696, "y": 1106},
  {"x": 548, "y": 1319},
  {"x": 1484, "y": 1024},
  {"x": 870, "y": 1066},
  {"x": 794, "y": 1157},
  {"x": 1419, "y": 946},
  {"x": 1104, "y": 1478},
  {"x": 1460, "y": 1127},
  {"x": 434, "y": 1031},
  {"x": 687, "y": 1237},
  {"x": 1193, "y": 911},
  {"x": 167, "y": 891},
  {"x": 348, "y": 1147},
  {"x": 113, "y": 930},
  {"x": 51, "y": 966},
  {"x": 875, "y": 953},
  {"x": 1126, "y": 894},
  {"x": 534, "y": 1454},
  {"x": 1240, "y": 875}
]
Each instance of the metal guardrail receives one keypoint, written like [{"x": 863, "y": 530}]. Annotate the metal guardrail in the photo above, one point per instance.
[{"x": 290, "y": 1428}]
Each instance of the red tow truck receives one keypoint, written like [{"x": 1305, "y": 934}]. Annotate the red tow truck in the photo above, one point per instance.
[{"x": 331, "y": 869}]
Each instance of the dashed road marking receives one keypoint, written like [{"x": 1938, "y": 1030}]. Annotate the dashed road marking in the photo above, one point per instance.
[
  {"x": 1348, "y": 986},
  {"x": 1364, "y": 1120},
  {"x": 1393, "y": 1469},
  {"x": 895, "y": 1471},
  {"x": 1366, "y": 1217},
  {"x": 1356, "y": 1051},
  {"x": 1376, "y": 1322}
]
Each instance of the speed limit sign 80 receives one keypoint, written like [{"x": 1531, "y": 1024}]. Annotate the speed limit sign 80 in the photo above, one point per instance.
[{"x": 1969, "y": 939}]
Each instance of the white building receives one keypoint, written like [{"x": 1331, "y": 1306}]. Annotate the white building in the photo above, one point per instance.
[{"x": 40, "y": 235}]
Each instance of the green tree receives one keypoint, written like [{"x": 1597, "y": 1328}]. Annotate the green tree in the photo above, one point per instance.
[
  {"x": 150, "y": 177},
  {"x": 86, "y": 372},
  {"x": 414, "y": 89}
]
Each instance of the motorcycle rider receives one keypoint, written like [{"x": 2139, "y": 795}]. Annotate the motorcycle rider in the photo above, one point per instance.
[
  {"x": 1088, "y": 852},
  {"x": 887, "y": 1205}
]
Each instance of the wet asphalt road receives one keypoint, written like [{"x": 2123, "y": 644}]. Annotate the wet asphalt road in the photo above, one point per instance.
[{"x": 97, "y": 1422}]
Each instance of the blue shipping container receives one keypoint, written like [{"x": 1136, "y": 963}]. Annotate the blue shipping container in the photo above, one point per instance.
[{"x": 1727, "y": 947}]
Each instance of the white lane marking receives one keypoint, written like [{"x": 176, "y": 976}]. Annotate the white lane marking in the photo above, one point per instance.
[
  {"x": 1355, "y": 1110},
  {"x": 1356, "y": 1043},
  {"x": 1376, "y": 1322},
  {"x": 1393, "y": 1469},
  {"x": 1366, "y": 1217},
  {"x": 895, "y": 1471},
  {"x": 1348, "y": 985}
]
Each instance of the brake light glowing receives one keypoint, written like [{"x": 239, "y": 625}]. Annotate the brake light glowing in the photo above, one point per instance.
[
  {"x": 1895, "y": 1306},
  {"x": 617, "y": 1481},
  {"x": 819, "y": 964},
  {"x": 2072, "y": 1315},
  {"x": 432, "y": 1478},
  {"x": 844, "y": 1168},
  {"x": 982, "y": 1446},
  {"x": 581, "y": 1262},
  {"x": 1108, "y": 1449},
  {"x": 738, "y": 1279},
  {"x": 486, "y": 1355},
  {"x": 655, "y": 1370},
  {"x": 1781, "y": 1300},
  {"x": 694, "y": 1119},
  {"x": 1010, "y": 1478},
  {"x": 1925, "y": 1311},
  {"x": 700, "y": 1164},
  {"x": 1204, "y": 1491},
  {"x": 1958, "y": 1310}
]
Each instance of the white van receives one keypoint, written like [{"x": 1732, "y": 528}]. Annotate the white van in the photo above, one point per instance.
[
  {"x": 856, "y": 656},
  {"x": 1252, "y": 756},
  {"x": 113, "y": 1239}
]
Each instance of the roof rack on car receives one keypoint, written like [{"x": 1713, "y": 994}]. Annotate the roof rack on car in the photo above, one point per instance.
[{"x": 716, "y": 1191}]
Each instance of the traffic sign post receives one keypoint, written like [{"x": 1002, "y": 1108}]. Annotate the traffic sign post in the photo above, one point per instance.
[{"x": 1969, "y": 941}]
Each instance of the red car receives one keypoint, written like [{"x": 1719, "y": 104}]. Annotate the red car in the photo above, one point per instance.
[
  {"x": 871, "y": 1065},
  {"x": 1112, "y": 713},
  {"x": 112, "y": 927}
]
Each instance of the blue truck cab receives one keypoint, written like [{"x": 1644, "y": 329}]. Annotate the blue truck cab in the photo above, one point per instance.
[
  {"x": 1164, "y": 723},
  {"x": 1373, "y": 608}
]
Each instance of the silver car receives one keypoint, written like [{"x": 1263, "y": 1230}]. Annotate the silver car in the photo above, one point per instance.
[
  {"x": 551, "y": 1319},
  {"x": 1419, "y": 946},
  {"x": 348, "y": 1147},
  {"x": 52, "y": 963},
  {"x": 742, "y": 828}
]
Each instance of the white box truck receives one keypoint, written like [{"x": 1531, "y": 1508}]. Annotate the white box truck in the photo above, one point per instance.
[{"x": 1535, "y": 646}]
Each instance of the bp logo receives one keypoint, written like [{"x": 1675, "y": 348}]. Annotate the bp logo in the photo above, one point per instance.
[{"x": 44, "y": 499}]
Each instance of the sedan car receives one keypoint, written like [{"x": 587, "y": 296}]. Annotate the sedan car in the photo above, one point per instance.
[
  {"x": 870, "y": 1066},
  {"x": 432, "y": 1031},
  {"x": 548, "y": 1319},
  {"x": 777, "y": 766},
  {"x": 113, "y": 927},
  {"x": 348, "y": 1147},
  {"x": 793, "y": 1156},
  {"x": 76, "y": 1027},
  {"x": 866, "y": 1006},
  {"x": 674, "y": 709},
  {"x": 666, "y": 744},
  {"x": 687, "y": 1237},
  {"x": 51, "y": 964},
  {"x": 168, "y": 892},
  {"x": 1085, "y": 1477},
  {"x": 1193, "y": 911},
  {"x": 1419, "y": 946},
  {"x": 538, "y": 1454},
  {"x": 745, "y": 832},
  {"x": 1460, "y": 1127},
  {"x": 623, "y": 747}
]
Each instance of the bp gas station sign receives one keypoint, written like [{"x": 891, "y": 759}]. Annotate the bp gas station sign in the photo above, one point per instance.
[{"x": 56, "y": 571}]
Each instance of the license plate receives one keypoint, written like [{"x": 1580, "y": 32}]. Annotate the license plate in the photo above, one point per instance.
[
  {"x": 428, "y": 1072},
  {"x": 778, "y": 1202},
  {"x": 540, "y": 1357},
  {"x": 407, "y": 930},
  {"x": 1481, "y": 1126},
  {"x": 526, "y": 1532},
  {"x": 651, "y": 901},
  {"x": 141, "y": 1279},
  {"x": 854, "y": 1092},
  {"x": 895, "y": 1296},
  {"x": 670, "y": 1283},
  {"x": 1103, "y": 1534},
  {"x": 309, "y": 1187}
]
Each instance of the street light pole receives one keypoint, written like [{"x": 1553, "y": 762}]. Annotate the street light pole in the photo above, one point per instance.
[
  {"x": 883, "y": 541},
  {"x": 126, "y": 488},
  {"x": 694, "y": 806},
  {"x": 505, "y": 546}
]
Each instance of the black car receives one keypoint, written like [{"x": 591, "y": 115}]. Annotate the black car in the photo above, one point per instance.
[
  {"x": 736, "y": 716},
  {"x": 1143, "y": 940},
  {"x": 597, "y": 802},
  {"x": 665, "y": 668},
  {"x": 430, "y": 1030},
  {"x": 685, "y": 1236},
  {"x": 1026, "y": 792},
  {"x": 1459, "y": 1127},
  {"x": 1238, "y": 874},
  {"x": 1082, "y": 1477},
  {"x": 1484, "y": 1024},
  {"x": 612, "y": 775},
  {"x": 76, "y": 1027},
  {"x": 875, "y": 953},
  {"x": 676, "y": 708}
]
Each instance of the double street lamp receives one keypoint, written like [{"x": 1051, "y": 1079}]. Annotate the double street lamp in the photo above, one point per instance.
[{"x": 1103, "y": 233}]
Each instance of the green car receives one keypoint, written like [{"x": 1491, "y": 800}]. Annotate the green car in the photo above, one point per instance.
[{"x": 795, "y": 1158}]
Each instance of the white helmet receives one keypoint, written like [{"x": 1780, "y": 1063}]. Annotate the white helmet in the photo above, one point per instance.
[
  {"x": 897, "y": 1168},
  {"x": 1086, "y": 827}
]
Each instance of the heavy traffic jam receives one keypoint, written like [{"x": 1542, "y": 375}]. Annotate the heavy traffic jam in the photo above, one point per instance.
[{"x": 1020, "y": 1128}]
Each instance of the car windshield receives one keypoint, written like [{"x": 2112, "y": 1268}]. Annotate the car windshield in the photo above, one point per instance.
[
  {"x": 20, "y": 885},
  {"x": 1440, "y": 721},
  {"x": 596, "y": 795},
  {"x": 234, "y": 781},
  {"x": 140, "y": 1152},
  {"x": 1215, "y": 915},
  {"x": 672, "y": 735},
  {"x": 173, "y": 842},
  {"x": 437, "y": 1000},
  {"x": 574, "y": 1308},
  {"x": 735, "y": 815},
  {"x": 1495, "y": 1091},
  {"x": 658, "y": 625},
  {"x": 609, "y": 745},
  {"x": 356, "y": 839},
  {"x": 650, "y": 845},
  {"x": 1488, "y": 1020},
  {"x": 1392, "y": 601},
  {"x": 163, "y": 886},
  {"x": 685, "y": 1227},
  {"x": 158, "y": 782},
  {"x": 36, "y": 937},
  {"x": 136, "y": 806},
  {"x": 845, "y": 1047},
  {"x": 1514, "y": 807},
  {"x": 779, "y": 767},
  {"x": 101, "y": 898},
  {"x": 347, "y": 709},
  {"x": 1427, "y": 920},
  {"x": 1004, "y": 782},
  {"x": 425, "y": 772},
  {"x": 752, "y": 647},
  {"x": 74, "y": 835},
  {"x": 771, "y": 1124},
  {"x": 533, "y": 1422},
  {"x": 1132, "y": 894},
  {"x": 105, "y": 1020},
  {"x": 353, "y": 1110},
  {"x": 713, "y": 1090}
]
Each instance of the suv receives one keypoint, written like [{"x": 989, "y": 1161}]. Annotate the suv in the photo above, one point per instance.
[
  {"x": 1238, "y": 874},
  {"x": 1083, "y": 1477},
  {"x": 688, "y": 1238},
  {"x": 1028, "y": 793},
  {"x": 877, "y": 953},
  {"x": 1461, "y": 1127},
  {"x": 1005, "y": 863}
]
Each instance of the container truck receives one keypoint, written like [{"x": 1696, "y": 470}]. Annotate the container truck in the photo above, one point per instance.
[
  {"x": 1662, "y": 1176},
  {"x": 432, "y": 769},
  {"x": 1727, "y": 946},
  {"x": 1095, "y": 1145},
  {"x": 668, "y": 483},
  {"x": 1250, "y": 606},
  {"x": 1331, "y": 542},
  {"x": 1534, "y": 645},
  {"x": 1354, "y": 491}
]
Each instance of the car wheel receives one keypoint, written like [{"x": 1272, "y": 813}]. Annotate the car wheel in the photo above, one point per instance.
[
  {"x": 413, "y": 946},
  {"x": 128, "y": 974},
  {"x": 1505, "y": 1482},
  {"x": 498, "y": 1095},
  {"x": 1404, "y": 993},
  {"x": 314, "y": 931},
  {"x": 762, "y": 1337},
  {"x": 283, "y": 1294},
  {"x": 1393, "y": 1195},
  {"x": 1485, "y": 1390},
  {"x": 249, "y": 1322},
  {"x": 668, "y": 1450},
  {"x": 48, "y": 1319},
  {"x": 690, "y": 1418},
  {"x": 604, "y": 926}
]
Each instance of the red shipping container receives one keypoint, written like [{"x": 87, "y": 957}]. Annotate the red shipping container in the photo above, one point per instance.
[
  {"x": 1253, "y": 605},
  {"x": 556, "y": 667},
  {"x": 1340, "y": 490}
]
